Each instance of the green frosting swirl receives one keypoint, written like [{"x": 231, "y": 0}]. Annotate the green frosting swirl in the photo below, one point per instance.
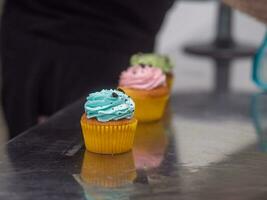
[
  {"x": 108, "y": 105},
  {"x": 160, "y": 61}
]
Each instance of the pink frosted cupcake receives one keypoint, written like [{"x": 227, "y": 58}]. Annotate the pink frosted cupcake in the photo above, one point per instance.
[{"x": 147, "y": 87}]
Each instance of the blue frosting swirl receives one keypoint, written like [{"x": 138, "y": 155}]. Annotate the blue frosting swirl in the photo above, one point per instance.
[{"x": 108, "y": 105}]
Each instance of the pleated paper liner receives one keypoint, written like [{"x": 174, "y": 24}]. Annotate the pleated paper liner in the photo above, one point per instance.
[
  {"x": 108, "y": 171},
  {"x": 108, "y": 137}
]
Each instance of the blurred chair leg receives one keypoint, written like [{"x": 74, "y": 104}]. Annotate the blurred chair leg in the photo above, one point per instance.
[{"x": 223, "y": 49}]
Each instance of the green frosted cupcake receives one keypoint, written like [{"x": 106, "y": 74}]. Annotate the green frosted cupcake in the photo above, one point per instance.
[
  {"x": 161, "y": 61},
  {"x": 156, "y": 60}
]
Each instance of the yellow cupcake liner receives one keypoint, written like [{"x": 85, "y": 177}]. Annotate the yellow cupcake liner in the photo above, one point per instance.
[
  {"x": 149, "y": 109},
  {"x": 169, "y": 81},
  {"x": 108, "y": 139},
  {"x": 108, "y": 170}
]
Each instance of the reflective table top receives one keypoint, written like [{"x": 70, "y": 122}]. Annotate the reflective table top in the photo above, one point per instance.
[{"x": 206, "y": 147}]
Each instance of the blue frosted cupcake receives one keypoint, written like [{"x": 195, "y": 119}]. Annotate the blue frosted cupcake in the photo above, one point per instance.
[{"x": 108, "y": 125}]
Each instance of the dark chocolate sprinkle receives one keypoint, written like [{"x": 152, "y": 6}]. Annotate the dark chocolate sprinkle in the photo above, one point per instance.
[
  {"x": 114, "y": 94},
  {"x": 142, "y": 65},
  {"x": 149, "y": 65},
  {"x": 121, "y": 90}
]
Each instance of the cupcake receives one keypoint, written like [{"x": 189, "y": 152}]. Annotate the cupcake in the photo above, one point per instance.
[
  {"x": 147, "y": 86},
  {"x": 156, "y": 60},
  {"x": 108, "y": 125},
  {"x": 108, "y": 171}
]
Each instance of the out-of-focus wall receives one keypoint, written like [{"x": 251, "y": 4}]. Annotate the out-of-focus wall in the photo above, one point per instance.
[{"x": 195, "y": 21}]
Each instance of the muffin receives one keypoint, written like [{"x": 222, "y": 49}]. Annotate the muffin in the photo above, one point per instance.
[
  {"x": 108, "y": 171},
  {"x": 108, "y": 125},
  {"x": 161, "y": 61},
  {"x": 147, "y": 86}
]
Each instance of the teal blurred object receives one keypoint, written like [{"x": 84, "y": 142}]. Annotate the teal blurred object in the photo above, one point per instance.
[{"x": 259, "y": 74}]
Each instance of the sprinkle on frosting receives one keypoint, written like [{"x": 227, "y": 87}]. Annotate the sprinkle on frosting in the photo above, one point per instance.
[
  {"x": 144, "y": 78},
  {"x": 121, "y": 90},
  {"x": 156, "y": 60},
  {"x": 108, "y": 105}
]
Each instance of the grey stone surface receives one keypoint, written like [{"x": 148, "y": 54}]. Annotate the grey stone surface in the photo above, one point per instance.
[{"x": 205, "y": 147}]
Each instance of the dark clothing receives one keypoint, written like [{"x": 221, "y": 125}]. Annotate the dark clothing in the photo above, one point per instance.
[{"x": 55, "y": 51}]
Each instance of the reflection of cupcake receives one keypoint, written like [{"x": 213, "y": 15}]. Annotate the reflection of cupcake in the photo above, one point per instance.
[
  {"x": 108, "y": 170},
  {"x": 167, "y": 117},
  {"x": 108, "y": 125},
  {"x": 149, "y": 145},
  {"x": 147, "y": 86},
  {"x": 156, "y": 60}
]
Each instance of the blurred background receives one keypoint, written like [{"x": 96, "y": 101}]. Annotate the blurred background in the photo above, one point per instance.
[{"x": 194, "y": 21}]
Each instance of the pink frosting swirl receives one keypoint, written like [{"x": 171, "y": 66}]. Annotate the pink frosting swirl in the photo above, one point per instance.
[{"x": 142, "y": 77}]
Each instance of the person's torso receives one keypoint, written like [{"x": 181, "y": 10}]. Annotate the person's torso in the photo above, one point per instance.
[{"x": 92, "y": 22}]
